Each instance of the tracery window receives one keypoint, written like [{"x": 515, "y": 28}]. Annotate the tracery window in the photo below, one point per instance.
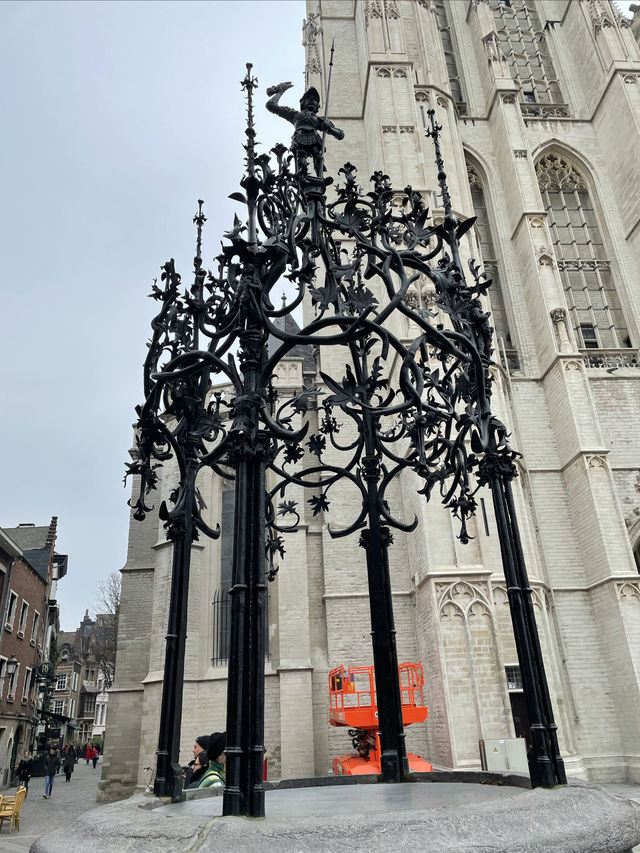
[
  {"x": 450, "y": 56},
  {"x": 585, "y": 269},
  {"x": 525, "y": 49},
  {"x": 490, "y": 265}
]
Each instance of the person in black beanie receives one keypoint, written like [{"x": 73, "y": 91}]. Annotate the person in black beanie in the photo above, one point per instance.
[
  {"x": 215, "y": 775},
  {"x": 201, "y": 744}
]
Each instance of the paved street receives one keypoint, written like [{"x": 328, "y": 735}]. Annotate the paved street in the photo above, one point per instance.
[{"x": 39, "y": 816}]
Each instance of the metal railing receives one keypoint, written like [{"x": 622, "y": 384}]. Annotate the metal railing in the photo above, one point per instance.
[{"x": 222, "y": 626}]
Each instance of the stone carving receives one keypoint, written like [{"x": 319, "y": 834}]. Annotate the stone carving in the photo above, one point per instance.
[
  {"x": 372, "y": 9},
  {"x": 536, "y": 222},
  {"x": 508, "y": 99},
  {"x": 462, "y": 598},
  {"x": 573, "y": 364},
  {"x": 391, "y": 9},
  {"x": 557, "y": 173},
  {"x": 604, "y": 15},
  {"x": 520, "y": 153},
  {"x": 558, "y": 315},
  {"x": 544, "y": 256},
  {"x": 389, "y": 71},
  {"x": 628, "y": 590},
  {"x": 389, "y": 128},
  {"x": 596, "y": 461},
  {"x": 422, "y": 97},
  {"x": 411, "y": 298},
  {"x": 474, "y": 178},
  {"x": 632, "y": 517},
  {"x": 544, "y": 111},
  {"x": 406, "y": 128},
  {"x": 442, "y": 102},
  {"x": 611, "y": 359},
  {"x": 584, "y": 264},
  {"x": 631, "y": 79},
  {"x": 310, "y": 31},
  {"x": 493, "y": 48}
]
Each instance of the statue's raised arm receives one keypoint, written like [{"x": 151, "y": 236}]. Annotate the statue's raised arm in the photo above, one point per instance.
[{"x": 308, "y": 125}]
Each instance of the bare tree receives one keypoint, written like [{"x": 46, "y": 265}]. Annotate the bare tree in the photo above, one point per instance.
[{"x": 106, "y": 627}]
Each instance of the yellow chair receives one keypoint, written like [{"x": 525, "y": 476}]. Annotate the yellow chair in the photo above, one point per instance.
[{"x": 10, "y": 808}]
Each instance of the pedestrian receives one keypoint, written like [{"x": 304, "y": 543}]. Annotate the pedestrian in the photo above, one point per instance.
[
  {"x": 67, "y": 764},
  {"x": 88, "y": 752},
  {"x": 215, "y": 776},
  {"x": 73, "y": 754},
  {"x": 200, "y": 767},
  {"x": 51, "y": 767},
  {"x": 94, "y": 757},
  {"x": 201, "y": 744},
  {"x": 24, "y": 769}
]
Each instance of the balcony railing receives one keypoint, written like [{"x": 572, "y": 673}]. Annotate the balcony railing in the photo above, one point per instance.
[
  {"x": 610, "y": 359},
  {"x": 544, "y": 110}
]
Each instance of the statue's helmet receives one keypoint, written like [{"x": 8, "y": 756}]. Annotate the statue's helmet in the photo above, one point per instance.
[{"x": 311, "y": 98}]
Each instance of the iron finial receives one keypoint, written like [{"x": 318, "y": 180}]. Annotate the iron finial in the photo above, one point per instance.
[
  {"x": 199, "y": 219},
  {"x": 249, "y": 84}
]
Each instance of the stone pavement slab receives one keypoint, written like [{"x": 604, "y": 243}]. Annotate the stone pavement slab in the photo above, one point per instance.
[{"x": 436, "y": 816}]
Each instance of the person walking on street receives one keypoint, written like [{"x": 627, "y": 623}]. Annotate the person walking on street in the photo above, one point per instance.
[
  {"x": 51, "y": 767},
  {"x": 24, "y": 769},
  {"x": 88, "y": 752},
  {"x": 94, "y": 756},
  {"x": 67, "y": 765}
]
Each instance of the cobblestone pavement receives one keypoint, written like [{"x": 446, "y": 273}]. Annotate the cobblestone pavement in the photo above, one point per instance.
[{"x": 39, "y": 816}]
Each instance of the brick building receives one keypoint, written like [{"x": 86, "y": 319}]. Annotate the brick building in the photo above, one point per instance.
[
  {"x": 540, "y": 106},
  {"x": 79, "y": 689},
  {"x": 29, "y": 571}
]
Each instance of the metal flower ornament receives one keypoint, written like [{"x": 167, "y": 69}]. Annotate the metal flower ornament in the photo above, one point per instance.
[{"x": 412, "y": 392}]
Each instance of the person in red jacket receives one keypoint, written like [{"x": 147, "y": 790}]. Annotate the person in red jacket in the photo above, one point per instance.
[
  {"x": 94, "y": 756},
  {"x": 88, "y": 752}
]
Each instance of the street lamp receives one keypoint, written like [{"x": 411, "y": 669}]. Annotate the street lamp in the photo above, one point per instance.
[{"x": 421, "y": 406}]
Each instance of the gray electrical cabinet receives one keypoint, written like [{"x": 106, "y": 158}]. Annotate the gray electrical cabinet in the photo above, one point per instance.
[{"x": 500, "y": 754}]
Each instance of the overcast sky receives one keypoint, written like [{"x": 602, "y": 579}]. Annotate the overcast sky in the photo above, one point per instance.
[{"x": 116, "y": 117}]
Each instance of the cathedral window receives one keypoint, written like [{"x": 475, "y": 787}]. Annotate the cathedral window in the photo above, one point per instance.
[
  {"x": 584, "y": 265},
  {"x": 490, "y": 265},
  {"x": 524, "y": 46},
  {"x": 450, "y": 56},
  {"x": 222, "y": 597}
]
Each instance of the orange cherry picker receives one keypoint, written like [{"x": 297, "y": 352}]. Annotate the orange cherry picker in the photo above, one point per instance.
[{"x": 353, "y": 703}]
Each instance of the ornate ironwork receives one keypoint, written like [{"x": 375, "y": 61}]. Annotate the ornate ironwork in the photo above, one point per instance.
[{"x": 392, "y": 406}]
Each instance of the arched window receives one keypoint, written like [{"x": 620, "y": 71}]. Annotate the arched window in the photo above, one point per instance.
[
  {"x": 490, "y": 265},
  {"x": 524, "y": 47},
  {"x": 450, "y": 56},
  {"x": 582, "y": 258}
]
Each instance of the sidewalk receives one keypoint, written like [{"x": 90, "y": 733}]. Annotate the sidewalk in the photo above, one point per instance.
[{"x": 39, "y": 816}]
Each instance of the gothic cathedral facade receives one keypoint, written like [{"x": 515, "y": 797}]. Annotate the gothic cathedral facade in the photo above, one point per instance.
[{"x": 540, "y": 106}]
